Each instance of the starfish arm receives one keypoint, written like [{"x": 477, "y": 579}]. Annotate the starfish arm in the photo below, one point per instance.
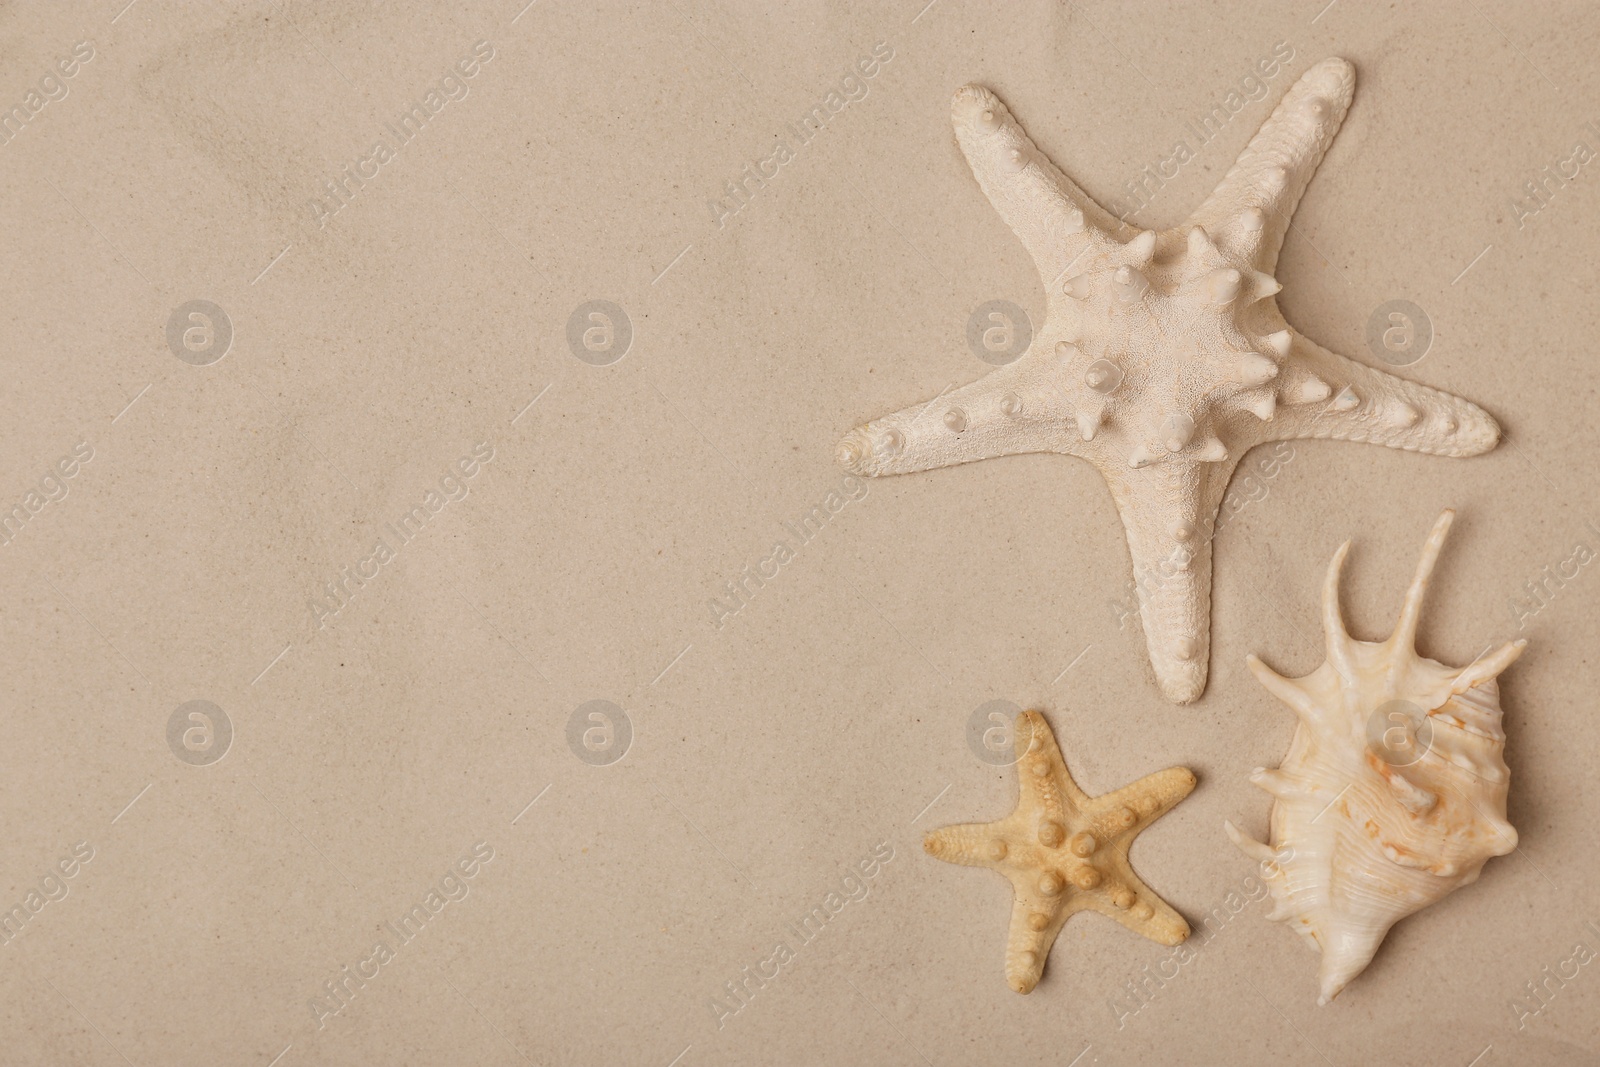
[
  {"x": 1057, "y": 222},
  {"x": 970, "y": 844},
  {"x": 1044, "y": 786},
  {"x": 1274, "y": 170},
  {"x": 1145, "y": 913},
  {"x": 1168, "y": 511},
  {"x": 1367, "y": 404},
  {"x": 1035, "y": 922},
  {"x": 1009, "y": 411},
  {"x": 1127, "y": 811}
]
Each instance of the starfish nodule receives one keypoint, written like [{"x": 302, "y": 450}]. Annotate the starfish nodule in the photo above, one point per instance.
[
  {"x": 1065, "y": 851},
  {"x": 1164, "y": 359}
]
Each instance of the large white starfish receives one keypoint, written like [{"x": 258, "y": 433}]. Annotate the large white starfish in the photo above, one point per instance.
[{"x": 1163, "y": 360}]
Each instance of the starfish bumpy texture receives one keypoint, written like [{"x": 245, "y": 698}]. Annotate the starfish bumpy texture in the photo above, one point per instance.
[
  {"x": 1164, "y": 359},
  {"x": 1066, "y": 852}
]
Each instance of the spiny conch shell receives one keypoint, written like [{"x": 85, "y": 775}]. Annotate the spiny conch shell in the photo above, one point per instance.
[{"x": 1394, "y": 790}]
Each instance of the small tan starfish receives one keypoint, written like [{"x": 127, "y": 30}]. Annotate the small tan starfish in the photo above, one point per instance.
[{"x": 1066, "y": 851}]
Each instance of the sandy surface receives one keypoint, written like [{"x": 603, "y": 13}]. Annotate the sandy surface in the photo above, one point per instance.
[{"x": 397, "y": 586}]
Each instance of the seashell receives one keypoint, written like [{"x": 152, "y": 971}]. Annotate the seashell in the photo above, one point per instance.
[{"x": 1393, "y": 793}]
